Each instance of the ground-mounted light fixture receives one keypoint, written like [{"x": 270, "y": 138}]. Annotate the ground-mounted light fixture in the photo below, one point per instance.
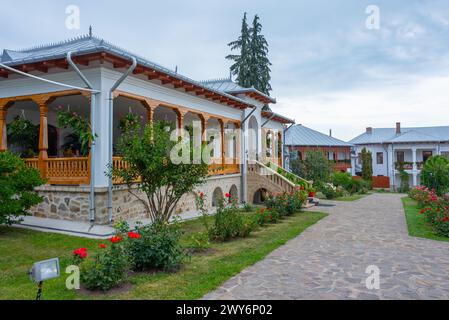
[{"x": 44, "y": 270}]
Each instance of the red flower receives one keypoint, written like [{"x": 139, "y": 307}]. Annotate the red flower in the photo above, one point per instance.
[
  {"x": 81, "y": 252},
  {"x": 227, "y": 195},
  {"x": 201, "y": 194},
  {"x": 116, "y": 239},
  {"x": 102, "y": 246},
  {"x": 134, "y": 235}
]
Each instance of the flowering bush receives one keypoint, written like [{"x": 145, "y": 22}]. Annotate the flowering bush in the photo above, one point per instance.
[
  {"x": 287, "y": 203},
  {"x": 230, "y": 222},
  {"x": 266, "y": 216},
  {"x": 423, "y": 196},
  {"x": 154, "y": 246},
  {"x": 79, "y": 255},
  {"x": 106, "y": 270},
  {"x": 435, "y": 209}
]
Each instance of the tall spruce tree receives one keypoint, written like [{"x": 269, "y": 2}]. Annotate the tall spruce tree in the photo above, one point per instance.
[
  {"x": 242, "y": 61},
  {"x": 260, "y": 64},
  {"x": 251, "y": 66}
]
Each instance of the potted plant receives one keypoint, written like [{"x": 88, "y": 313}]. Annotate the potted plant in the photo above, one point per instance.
[{"x": 312, "y": 192}]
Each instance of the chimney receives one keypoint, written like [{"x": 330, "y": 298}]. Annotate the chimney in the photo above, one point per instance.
[
  {"x": 369, "y": 130},
  {"x": 398, "y": 128},
  {"x": 330, "y": 132}
]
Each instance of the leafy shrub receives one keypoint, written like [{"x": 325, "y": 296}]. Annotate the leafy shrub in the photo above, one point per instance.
[
  {"x": 435, "y": 174},
  {"x": 423, "y": 196},
  {"x": 199, "y": 241},
  {"x": 332, "y": 192},
  {"x": 230, "y": 222},
  {"x": 247, "y": 207},
  {"x": 107, "y": 269},
  {"x": 154, "y": 246},
  {"x": 266, "y": 216},
  {"x": 287, "y": 203},
  {"x": 344, "y": 180},
  {"x": 436, "y": 214},
  {"x": 17, "y": 183}
]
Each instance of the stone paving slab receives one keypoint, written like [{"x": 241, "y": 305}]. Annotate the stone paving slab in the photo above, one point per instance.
[{"x": 329, "y": 259}]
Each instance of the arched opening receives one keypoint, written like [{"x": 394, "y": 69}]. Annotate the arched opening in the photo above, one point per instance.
[
  {"x": 217, "y": 197},
  {"x": 125, "y": 110},
  {"x": 23, "y": 123},
  {"x": 260, "y": 196},
  {"x": 214, "y": 139},
  {"x": 166, "y": 115},
  {"x": 253, "y": 138},
  {"x": 234, "y": 194},
  {"x": 192, "y": 124},
  {"x": 231, "y": 142}
]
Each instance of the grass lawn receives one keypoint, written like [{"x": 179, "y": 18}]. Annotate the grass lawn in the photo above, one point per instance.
[
  {"x": 200, "y": 274},
  {"x": 417, "y": 226}
]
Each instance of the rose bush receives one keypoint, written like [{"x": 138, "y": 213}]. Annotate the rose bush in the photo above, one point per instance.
[{"x": 286, "y": 203}]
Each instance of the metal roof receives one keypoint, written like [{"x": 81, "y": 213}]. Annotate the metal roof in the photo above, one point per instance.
[
  {"x": 229, "y": 86},
  {"x": 88, "y": 44},
  {"x": 299, "y": 135},
  {"x": 276, "y": 117},
  {"x": 413, "y": 134}
]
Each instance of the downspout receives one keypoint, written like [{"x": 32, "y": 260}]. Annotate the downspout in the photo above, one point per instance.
[
  {"x": 111, "y": 119},
  {"x": 285, "y": 147},
  {"x": 92, "y": 124},
  {"x": 244, "y": 164}
]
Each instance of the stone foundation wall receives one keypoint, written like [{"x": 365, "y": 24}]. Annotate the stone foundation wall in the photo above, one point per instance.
[{"x": 72, "y": 203}]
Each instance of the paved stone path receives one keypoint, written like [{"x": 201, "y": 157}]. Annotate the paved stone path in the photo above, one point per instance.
[{"x": 329, "y": 260}]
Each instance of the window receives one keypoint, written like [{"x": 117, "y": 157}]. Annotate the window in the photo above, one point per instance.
[
  {"x": 400, "y": 157},
  {"x": 380, "y": 158},
  {"x": 426, "y": 155}
]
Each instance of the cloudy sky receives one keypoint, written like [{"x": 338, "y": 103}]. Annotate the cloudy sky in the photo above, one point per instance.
[{"x": 329, "y": 70}]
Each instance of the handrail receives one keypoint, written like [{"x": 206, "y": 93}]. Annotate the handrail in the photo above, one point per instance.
[
  {"x": 290, "y": 173},
  {"x": 291, "y": 183}
]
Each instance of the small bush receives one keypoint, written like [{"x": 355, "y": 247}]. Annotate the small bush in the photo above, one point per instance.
[
  {"x": 199, "y": 241},
  {"x": 106, "y": 270},
  {"x": 154, "y": 246},
  {"x": 247, "y": 207},
  {"x": 423, "y": 196},
  {"x": 287, "y": 203},
  {"x": 266, "y": 216},
  {"x": 331, "y": 192}
]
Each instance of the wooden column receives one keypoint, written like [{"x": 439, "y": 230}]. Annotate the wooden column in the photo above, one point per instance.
[
  {"x": 43, "y": 138},
  {"x": 204, "y": 120},
  {"x": 151, "y": 108},
  {"x": 223, "y": 148},
  {"x": 3, "y": 135},
  {"x": 181, "y": 115}
]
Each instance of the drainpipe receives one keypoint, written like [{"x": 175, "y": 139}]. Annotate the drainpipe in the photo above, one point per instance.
[
  {"x": 111, "y": 119},
  {"x": 92, "y": 123},
  {"x": 244, "y": 164}
]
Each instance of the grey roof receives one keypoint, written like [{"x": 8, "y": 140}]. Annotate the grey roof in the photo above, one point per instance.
[
  {"x": 413, "y": 134},
  {"x": 299, "y": 135},
  {"x": 229, "y": 86},
  {"x": 91, "y": 44}
]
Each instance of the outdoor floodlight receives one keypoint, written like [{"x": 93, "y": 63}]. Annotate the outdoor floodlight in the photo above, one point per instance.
[{"x": 44, "y": 270}]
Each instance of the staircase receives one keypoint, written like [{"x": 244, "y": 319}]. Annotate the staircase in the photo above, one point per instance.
[{"x": 262, "y": 177}]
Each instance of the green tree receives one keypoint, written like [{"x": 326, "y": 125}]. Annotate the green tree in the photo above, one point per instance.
[
  {"x": 367, "y": 165},
  {"x": 260, "y": 64},
  {"x": 314, "y": 167},
  {"x": 435, "y": 174},
  {"x": 251, "y": 66},
  {"x": 242, "y": 61},
  {"x": 162, "y": 181},
  {"x": 17, "y": 183},
  {"x": 405, "y": 186}
]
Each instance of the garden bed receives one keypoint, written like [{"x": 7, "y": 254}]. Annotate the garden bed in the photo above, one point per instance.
[
  {"x": 200, "y": 274},
  {"x": 416, "y": 223}
]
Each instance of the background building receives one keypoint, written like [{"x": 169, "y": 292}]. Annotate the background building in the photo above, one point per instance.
[
  {"x": 392, "y": 147},
  {"x": 300, "y": 139}
]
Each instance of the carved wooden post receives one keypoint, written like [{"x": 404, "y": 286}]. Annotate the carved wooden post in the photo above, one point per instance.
[
  {"x": 43, "y": 137},
  {"x": 204, "y": 120},
  {"x": 238, "y": 146},
  {"x": 223, "y": 143},
  {"x": 3, "y": 136}
]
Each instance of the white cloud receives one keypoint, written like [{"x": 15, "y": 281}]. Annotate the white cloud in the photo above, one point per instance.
[{"x": 419, "y": 102}]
